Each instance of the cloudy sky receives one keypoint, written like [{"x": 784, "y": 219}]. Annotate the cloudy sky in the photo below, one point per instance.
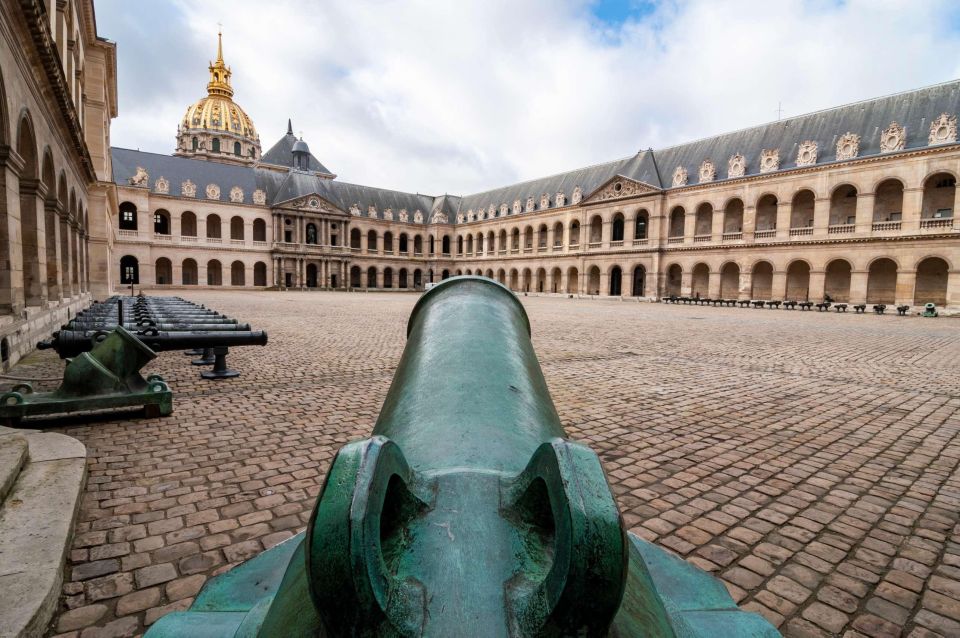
[{"x": 461, "y": 96}]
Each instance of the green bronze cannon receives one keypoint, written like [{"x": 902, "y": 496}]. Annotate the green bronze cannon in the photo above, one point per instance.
[{"x": 467, "y": 513}]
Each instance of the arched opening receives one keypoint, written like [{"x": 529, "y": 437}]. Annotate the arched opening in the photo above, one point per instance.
[
  {"x": 514, "y": 280},
  {"x": 640, "y": 225},
  {"x": 372, "y": 241},
  {"x": 931, "y": 286},
  {"x": 417, "y": 245},
  {"x": 445, "y": 274},
  {"x": 236, "y": 149},
  {"x": 402, "y": 279},
  {"x": 194, "y": 143},
  {"x": 555, "y": 280},
  {"x": 939, "y": 193},
  {"x": 31, "y": 219},
  {"x": 445, "y": 243},
  {"x": 573, "y": 281},
  {"x": 677, "y": 220},
  {"x": 526, "y": 281},
  {"x": 388, "y": 277},
  {"x": 417, "y": 279},
  {"x": 161, "y": 222},
  {"x": 733, "y": 216},
  {"x": 188, "y": 272},
  {"x": 213, "y": 227},
  {"x": 310, "y": 234},
  {"x": 674, "y": 282},
  {"x": 355, "y": 280},
  {"x": 214, "y": 273},
  {"x": 502, "y": 276},
  {"x": 593, "y": 280},
  {"x": 616, "y": 279},
  {"x": 128, "y": 216},
  {"x": 761, "y": 286},
  {"x": 616, "y": 232},
  {"x": 129, "y": 270},
  {"x": 388, "y": 242},
  {"x": 542, "y": 236},
  {"x": 730, "y": 281},
  {"x": 528, "y": 238},
  {"x": 700, "y": 283},
  {"x": 888, "y": 201},
  {"x": 215, "y": 145},
  {"x": 188, "y": 224},
  {"x": 801, "y": 209},
  {"x": 259, "y": 274},
  {"x": 798, "y": 281},
  {"x": 460, "y": 244},
  {"x": 574, "y": 233},
  {"x": 432, "y": 244},
  {"x": 469, "y": 244},
  {"x": 843, "y": 206},
  {"x": 371, "y": 277},
  {"x": 238, "y": 275},
  {"x": 163, "y": 271},
  {"x": 704, "y": 222},
  {"x": 836, "y": 283},
  {"x": 541, "y": 280},
  {"x": 882, "y": 281},
  {"x": 558, "y": 235},
  {"x": 639, "y": 281},
  {"x": 355, "y": 238},
  {"x": 479, "y": 244},
  {"x": 767, "y": 213},
  {"x": 236, "y": 228}
]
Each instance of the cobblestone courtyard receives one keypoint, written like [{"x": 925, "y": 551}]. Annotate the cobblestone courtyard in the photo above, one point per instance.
[{"x": 809, "y": 460}]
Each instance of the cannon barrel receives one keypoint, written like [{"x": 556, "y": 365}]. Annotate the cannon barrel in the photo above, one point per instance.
[
  {"x": 136, "y": 318},
  {"x": 70, "y": 343},
  {"x": 173, "y": 326}
]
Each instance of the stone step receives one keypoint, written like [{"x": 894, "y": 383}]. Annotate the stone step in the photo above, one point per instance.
[
  {"x": 36, "y": 528},
  {"x": 13, "y": 454}
]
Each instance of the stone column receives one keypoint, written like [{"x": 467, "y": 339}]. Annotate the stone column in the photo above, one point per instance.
[
  {"x": 953, "y": 288},
  {"x": 864, "y": 213},
  {"x": 54, "y": 258},
  {"x": 778, "y": 286},
  {"x": 912, "y": 210},
  {"x": 745, "y": 285},
  {"x": 689, "y": 227},
  {"x": 686, "y": 283},
  {"x": 713, "y": 284},
  {"x": 11, "y": 271},
  {"x": 716, "y": 230},
  {"x": 906, "y": 282},
  {"x": 66, "y": 251},
  {"x": 32, "y": 194},
  {"x": 858, "y": 286},
  {"x": 818, "y": 280},
  {"x": 749, "y": 222},
  {"x": 363, "y": 278},
  {"x": 380, "y": 277},
  {"x": 364, "y": 244},
  {"x": 821, "y": 216},
  {"x": 784, "y": 209}
]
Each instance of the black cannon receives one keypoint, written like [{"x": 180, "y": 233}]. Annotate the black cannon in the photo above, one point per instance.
[{"x": 70, "y": 343}]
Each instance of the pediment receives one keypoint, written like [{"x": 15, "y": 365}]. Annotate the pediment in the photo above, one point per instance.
[
  {"x": 619, "y": 187},
  {"x": 312, "y": 202}
]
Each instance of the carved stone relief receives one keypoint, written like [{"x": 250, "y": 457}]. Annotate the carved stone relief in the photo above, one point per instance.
[
  {"x": 577, "y": 195},
  {"x": 459, "y": 218},
  {"x": 388, "y": 214},
  {"x": 544, "y": 201},
  {"x": 354, "y": 210},
  {"x": 807, "y": 153},
  {"x": 943, "y": 129},
  {"x": 260, "y": 198},
  {"x": 848, "y": 146},
  {"x": 236, "y": 195},
  {"x": 560, "y": 199},
  {"x": 372, "y": 211},
  {"x": 893, "y": 138},
  {"x": 516, "y": 207},
  {"x": 188, "y": 188},
  {"x": 404, "y": 217},
  {"x": 737, "y": 166},
  {"x": 529, "y": 204},
  {"x": 417, "y": 217},
  {"x": 213, "y": 191},
  {"x": 708, "y": 172},
  {"x": 161, "y": 186},
  {"x": 439, "y": 217},
  {"x": 142, "y": 178},
  {"x": 769, "y": 160},
  {"x": 679, "y": 176},
  {"x": 504, "y": 210}
]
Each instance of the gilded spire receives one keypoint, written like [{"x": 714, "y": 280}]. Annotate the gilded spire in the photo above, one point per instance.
[{"x": 219, "y": 83}]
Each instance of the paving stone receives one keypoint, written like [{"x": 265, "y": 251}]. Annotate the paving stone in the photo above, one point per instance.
[
  {"x": 138, "y": 601},
  {"x": 81, "y": 617},
  {"x": 155, "y": 574},
  {"x": 825, "y": 617}
]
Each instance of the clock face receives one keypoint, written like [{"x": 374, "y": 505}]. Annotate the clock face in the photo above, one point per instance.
[{"x": 314, "y": 203}]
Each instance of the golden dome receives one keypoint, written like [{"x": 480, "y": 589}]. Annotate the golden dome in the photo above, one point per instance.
[{"x": 215, "y": 127}]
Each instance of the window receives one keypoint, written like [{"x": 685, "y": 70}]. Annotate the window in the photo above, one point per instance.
[
  {"x": 236, "y": 149},
  {"x": 195, "y": 143},
  {"x": 128, "y": 216},
  {"x": 215, "y": 147},
  {"x": 943, "y": 213}
]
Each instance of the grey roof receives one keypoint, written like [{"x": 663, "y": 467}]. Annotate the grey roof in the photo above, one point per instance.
[
  {"x": 915, "y": 110},
  {"x": 281, "y": 154}
]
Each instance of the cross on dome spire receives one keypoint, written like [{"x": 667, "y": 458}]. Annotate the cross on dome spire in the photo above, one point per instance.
[{"x": 219, "y": 83}]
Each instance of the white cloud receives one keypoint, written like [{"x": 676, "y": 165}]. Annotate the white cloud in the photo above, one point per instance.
[{"x": 462, "y": 96}]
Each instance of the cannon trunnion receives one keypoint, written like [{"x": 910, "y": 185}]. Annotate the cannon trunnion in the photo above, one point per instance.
[{"x": 466, "y": 513}]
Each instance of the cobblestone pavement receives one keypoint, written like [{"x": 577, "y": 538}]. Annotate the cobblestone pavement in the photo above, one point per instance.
[{"x": 809, "y": 460}]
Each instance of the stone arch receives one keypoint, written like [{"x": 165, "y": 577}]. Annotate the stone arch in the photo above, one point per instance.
[
  {"x": 700, "y": 280},
  {"x": 639, "y": 281},
  {"x": 259, "y": 274},
  {"x": 616, "y": 230},
  {"x": 798, "y": 280},
  {"x": 882, "y": 281},
  {"x": 53, "y": 273},
  {"x": 188, "y": 272},
  {"x": 355, "y": 277},
  {"x": 188, "y": 224},
  {"x": 766, "y": 212},
  {"x": 502, "y": 276},
  {"x": 526, "y": 277},
  {"x": 573, "y": 280},
  {"x": 355, "y": 238},
  {"x": 541, "y": 280},
  {"x": 641, "y": 224},
  {"x": 888, "y": 201},
  {"x": 445, "y": 245},
  {"x": 836, "y": 280},
  {"x": 558, "y": 235},
  {"x": 556, "y": 279},
  {"x": 673, "y": 282},
  {"x": 214, "y": 273},
  {"x": 593, "y": 280},
  {"x": 388, "y": 277},
  {"x": 371, "y": 243},
  {"x": 677, "y": 221},
  {"x": 237, "y": 229},
  {"x": 402, "y": 282},
  {"x": 542, "y": 236},
  {"x": 489, "y": 273},
  {"x": 259, "y": 230},
  {"x": 34, "y": 252},
  {"x": 939, "y": 195},
  {"x": 161, "y": 222},
  {"x": 129, "y": 270},
  {"x": 615, "y": 281},
  {"x": 214, "y": 227},
  {"x": 163, "y": 272},
  {"x": 704, "y": 220},
  {"x": 761, "y": 280},
  {"x": 418, "y": 278},
  {"x": 843, "y": 205},
  {"x": 574, "y": 233},
  {"x": 528, "y": 238},
  {"x": 470, "y": 244},
  {"x": 730, "y": 280},
  {"x": 733, "y": 216},
  {"x": 931, "y": 281},
  {"x": 417, "y": 245},
  {"x": 372, "y": 276},
  {"x": 514, "y": 280},
  {"x": 238, "y": 275},
  {"x": 801, "y": 208}
]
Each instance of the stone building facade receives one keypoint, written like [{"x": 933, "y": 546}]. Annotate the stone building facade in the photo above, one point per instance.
[
  {"x": 57, "y": 97},
  {"x": 854, "y": 203}
]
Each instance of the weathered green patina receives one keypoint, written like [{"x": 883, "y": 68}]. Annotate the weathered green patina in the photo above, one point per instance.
[
  {"x": 106, "y": 377},
  {"x": 466, "y": 513}
]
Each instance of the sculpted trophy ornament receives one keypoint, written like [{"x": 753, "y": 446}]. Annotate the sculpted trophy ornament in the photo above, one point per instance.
[
  {"x": 388, "y": 214},
  {"x": 848, "y": 146},
  {"x": 769, "y": 160},
  {"x": 142, "y": 178},
  {"x": 491, "y": 212},
  {"x": 439, "y": 217},
  {"x": 213, "y": 191},
  {"x": 516, "y": 207},
  {"x": 544, "y": 201},
  {"x": 504, "y": 210},
  {"x": 236, "y": 195},
  {"x": 259, "y": 197},
  {"x": 807, "y": 153},
  {"x": 530, "y": 204},
  {"x": 708, "y": 172},
  {"x": 943, "y": 130},
  {"x": 459, "y": 218},
  {"x": 679, "y": 176},
  {"x": 560, "y": 199},
  {"x": 737, "y": 166},
  {"x": 188, "y": 188},
  {"x": 161, "y": 186},
  {"x": 372, "y": 211},
  {"x": 470, "y": 216},
  {"x": 417, "y": 217},
  {"x": 577, "y": 195},
  {"x": 354, "y": 209},
  {"x": 893, "y": 138},
  {"x": 404, "y": 217}
]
